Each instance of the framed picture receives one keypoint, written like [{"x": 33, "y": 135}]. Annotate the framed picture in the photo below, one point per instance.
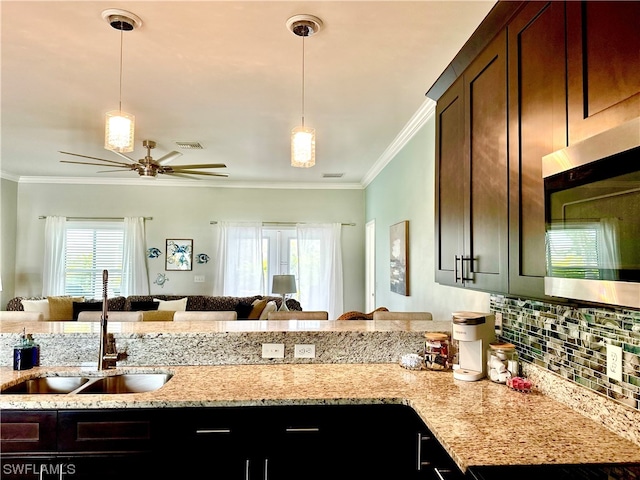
[
  {"x": 399, "y": 245},
  {"x": 179, "y": 254}
]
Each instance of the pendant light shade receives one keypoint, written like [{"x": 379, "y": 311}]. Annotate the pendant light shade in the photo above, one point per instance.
[
  {"x": 303, "y": 147},
  {"x": 119, "y": 126},
  {"x": 303, "y": 139},
  {"x": 118, "y": 132}
]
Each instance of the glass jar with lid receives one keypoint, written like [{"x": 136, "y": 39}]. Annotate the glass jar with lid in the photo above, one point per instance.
[
  {"x": 436, "y": 351},
  {"x": 502, "y": 361}
]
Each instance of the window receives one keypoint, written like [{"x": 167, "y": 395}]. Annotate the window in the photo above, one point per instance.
[
  {"x": 92, "y": 247},
  {"x": 279, "y": 254}
]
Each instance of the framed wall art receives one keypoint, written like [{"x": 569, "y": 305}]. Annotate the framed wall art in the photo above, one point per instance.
[
  {"x": 179, "y": 254},
  {"x": 399, "y": 246}
]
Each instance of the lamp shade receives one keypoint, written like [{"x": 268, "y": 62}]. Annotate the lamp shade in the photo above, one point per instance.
[
  {"x": 118, "y": 132},
  {"x": 284, "y": 284},
  {"x": 303, "y": 147}
]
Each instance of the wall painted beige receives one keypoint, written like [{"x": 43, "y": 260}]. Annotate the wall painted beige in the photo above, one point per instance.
[
  {"x": 186, "y": 212},
  {"x": 9, "y": 199}
]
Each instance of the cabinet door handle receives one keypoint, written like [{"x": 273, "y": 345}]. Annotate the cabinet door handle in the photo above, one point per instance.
[
  {"x": 470, "y": 269},
  {"x": 455, "y": 268},
  {"x": 246, "y": 469},
  {"x": 440, "y": 471},
  {"x": 302, "y": 429},
  {"x": 205, "y": 431},
  {"x": 266, "y": 469}
]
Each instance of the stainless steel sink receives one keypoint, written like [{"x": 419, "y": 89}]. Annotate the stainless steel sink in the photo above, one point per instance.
[
  {"x": 127, "y": 383},
  {"x": 120, "y": 383},
  {"x": 47, "y": 385}
]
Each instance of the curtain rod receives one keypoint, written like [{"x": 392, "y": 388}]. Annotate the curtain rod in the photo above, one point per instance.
[
  {"x": 214, "y": 222},
  {"x": 42, "y": 217}
]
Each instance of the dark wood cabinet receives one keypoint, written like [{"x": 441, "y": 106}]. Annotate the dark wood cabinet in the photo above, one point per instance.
[
  {"x": 572, "y": 72},
  {"x": 30, "y": 431},
  {"x": 244, "y": 443},
  {"x": 603, "y": 58},
  {"x": 537, "y": 127},
  {"x": 471, "y": 159}
]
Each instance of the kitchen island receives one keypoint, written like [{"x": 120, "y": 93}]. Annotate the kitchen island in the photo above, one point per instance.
[{"x": 478, "y": 423}]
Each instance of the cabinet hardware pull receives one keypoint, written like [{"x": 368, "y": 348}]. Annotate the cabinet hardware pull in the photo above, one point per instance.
[
  {"x": 470, "y": 260},
  {"x": 455, "y": 268},
  {"x": 266, "y": 469},
  {"x": 213, "y": 430},
  {"x": 302, "y": 429},
  {"x": 439, "y": 474},
  {"x": 246, "y": 470},
  {"x": 419, "y": 452}
]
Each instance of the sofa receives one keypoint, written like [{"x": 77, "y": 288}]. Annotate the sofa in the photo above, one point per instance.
[{"x": 69, "y": 308}]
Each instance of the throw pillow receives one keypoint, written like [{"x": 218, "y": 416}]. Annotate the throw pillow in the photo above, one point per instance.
[
  {"x": 258, "y": 306},
  {"x": 61, "y": 308},
  {"x": 85, "y": 307},
  {"x": 158, "y": 315},
  {"x": 243, "y": 309},
  {"x": 269, "y": 307},
  {"x": 143, "y": 306},
  {"x": 174, "y": 305},
  {"x": 37, "y": 306}
]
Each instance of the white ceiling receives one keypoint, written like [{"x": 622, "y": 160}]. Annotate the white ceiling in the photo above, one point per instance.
[{"x": 226, "y": 74}]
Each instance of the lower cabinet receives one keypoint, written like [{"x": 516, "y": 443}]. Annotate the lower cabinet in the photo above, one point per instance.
[{"x": 229, "y": 443}]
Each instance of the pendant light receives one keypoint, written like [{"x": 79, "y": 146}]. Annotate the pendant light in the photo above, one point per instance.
[
  {"x": 303, "y": 138},
  {"x": 119, "y": 125}
]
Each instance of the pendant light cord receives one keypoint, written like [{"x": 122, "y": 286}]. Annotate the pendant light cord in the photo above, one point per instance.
[
  {"x": 120, "y": 93},
  {"x": 303, "y": 35}
]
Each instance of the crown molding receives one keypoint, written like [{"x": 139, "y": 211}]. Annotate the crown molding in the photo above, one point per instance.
[{"x": 417, "y": 121}]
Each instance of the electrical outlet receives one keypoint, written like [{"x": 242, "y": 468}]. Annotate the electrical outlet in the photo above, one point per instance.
[
  {"x": 305, "y": 350},
  {"x": 614, "y": 362},
  {"x": 273, "y": 350},
  {"x": 498, "y": 323},
  {"x": 198, "y": 278}
]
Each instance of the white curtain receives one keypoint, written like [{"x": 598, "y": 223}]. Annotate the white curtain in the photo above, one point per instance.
[
  {"x": 239, "y": 260},
  {"x": 320, "y": 267},
  {"x": 135, "y": 279},
  {"x": 54, "y": 256},
  {"x": 608, "y": 248}
]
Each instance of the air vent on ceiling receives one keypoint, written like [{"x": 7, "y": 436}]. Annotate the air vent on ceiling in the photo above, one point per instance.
[
  {"x": 332, "y": 175},
  {"x": 190, "y": 145}
]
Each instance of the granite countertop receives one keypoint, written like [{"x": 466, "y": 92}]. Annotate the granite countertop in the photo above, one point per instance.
[{"x": 478, "y": 423}]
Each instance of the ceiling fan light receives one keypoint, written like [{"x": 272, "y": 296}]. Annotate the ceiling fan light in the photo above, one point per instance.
[
  {"x": 303, "y": 147},
  {"x": 118, "y": 134}
]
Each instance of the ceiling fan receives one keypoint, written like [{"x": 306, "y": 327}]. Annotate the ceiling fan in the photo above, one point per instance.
[{"x": 148, "y": 167}]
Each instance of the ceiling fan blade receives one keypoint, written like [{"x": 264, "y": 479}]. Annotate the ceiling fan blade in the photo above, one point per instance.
[
  {"x": 184, "y": 173},
  {"x": 124, "y": 156},
  {"x": 94, "y": 158},
  {"x": 121, "y": 165},
  {"x": 202, "y": 165},
  {"x": 169, "y": 157}
]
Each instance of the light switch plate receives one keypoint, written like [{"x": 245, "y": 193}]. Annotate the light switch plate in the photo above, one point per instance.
[
  {"x": 614, "y": 362},
  {"x": 273, "y": 350},
  {"x": 198, "y": 278}
]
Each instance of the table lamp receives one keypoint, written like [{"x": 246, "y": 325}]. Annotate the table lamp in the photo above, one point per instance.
[{"x": 284, "y": 284}]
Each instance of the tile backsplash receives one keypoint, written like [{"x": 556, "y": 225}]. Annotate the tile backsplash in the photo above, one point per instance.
[{"x": 571, "y": 341}]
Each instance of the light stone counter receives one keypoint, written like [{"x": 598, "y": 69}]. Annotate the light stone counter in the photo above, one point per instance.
[{"x": 479, "y": 423}]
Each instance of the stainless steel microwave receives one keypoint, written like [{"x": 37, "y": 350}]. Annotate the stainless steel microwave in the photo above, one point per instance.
[{"x": 592, "y": 210}]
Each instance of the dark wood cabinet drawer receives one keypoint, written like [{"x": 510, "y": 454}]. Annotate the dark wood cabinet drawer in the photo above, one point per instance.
[
  {"x": 96, "y": 431},
  {"x": 28, "y": 431}
]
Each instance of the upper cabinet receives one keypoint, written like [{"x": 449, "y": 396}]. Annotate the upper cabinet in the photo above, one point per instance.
[
  {"x": 537, "y": 127},
  {"x": 573, "y": 71},
  {"x": 471, "y": 192},
  {"x": 603, "y": 65}
]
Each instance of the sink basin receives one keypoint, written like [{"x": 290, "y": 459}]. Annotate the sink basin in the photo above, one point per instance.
[
  {"x": 127, "y": 383},
  {"x": 47, "y": 385}
]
